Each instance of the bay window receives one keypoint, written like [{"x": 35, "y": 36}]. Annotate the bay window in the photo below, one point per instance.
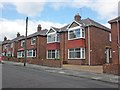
[
  {"x": 31, "y": 53},
  {"x": 76, "y": 33},
  {"x": 52, "y": 54},
  {"x": 76, "y": 53},
  {"x": 20, "y": 54},
  {"x": 53, "y": 38}
]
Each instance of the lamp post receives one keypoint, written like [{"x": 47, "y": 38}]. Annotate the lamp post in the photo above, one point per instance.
[{"x": 26, "y": 42}]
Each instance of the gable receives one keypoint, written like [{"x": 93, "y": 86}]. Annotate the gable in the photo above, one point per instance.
[
  {"x": 50, "y": 31},
  {"x": 73, "y": 25}
]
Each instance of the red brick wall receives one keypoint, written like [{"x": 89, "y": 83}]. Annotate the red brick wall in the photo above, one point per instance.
[
  {"x": 66, "y": 44},
  {"x": 111, "y": 69},
  {"x": 99, "y": 39},
  {"x": 114, "y": 43},
  {"x": 76, "y": 43},
  {"x": 53, "y": 46}
]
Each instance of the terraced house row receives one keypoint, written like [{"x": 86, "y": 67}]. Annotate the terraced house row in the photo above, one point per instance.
[{"x": 81, "y": 42}]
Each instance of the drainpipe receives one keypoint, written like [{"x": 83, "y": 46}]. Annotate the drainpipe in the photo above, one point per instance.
[
  {"x": 118, "y": 41},
  {"x": 88, "y": 45}
]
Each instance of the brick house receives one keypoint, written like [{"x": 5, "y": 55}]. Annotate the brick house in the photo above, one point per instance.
[
  {"x": 9, "y": 47},
  {"x": 36, "y": 47},
  {"x": 0, "y": 48},
  {"x": 83, "y": 41},
  {"x": 112, "y": 67}
]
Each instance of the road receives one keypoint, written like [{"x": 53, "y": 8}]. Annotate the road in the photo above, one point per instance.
[{"x": 23, "y": 77}]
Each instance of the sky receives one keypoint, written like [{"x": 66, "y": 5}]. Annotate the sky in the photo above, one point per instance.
[{"x": 50, "y": 13}]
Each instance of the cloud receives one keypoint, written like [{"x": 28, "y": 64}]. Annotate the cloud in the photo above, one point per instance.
[
  {"x": 29, "y": 8},
  {"x": 10, "y": 28}
]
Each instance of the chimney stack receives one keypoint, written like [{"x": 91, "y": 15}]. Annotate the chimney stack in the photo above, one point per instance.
[
  {"x": 5, "y": 38},
  {"x": 77, "y": 17},
  {"x": 18, "y": 34},
  {"x": 39, "y": 28}
]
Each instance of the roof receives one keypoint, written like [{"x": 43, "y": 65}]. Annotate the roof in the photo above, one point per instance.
[
  {"x": 17, "y": 38},
  {"x": 90, "y": 22},
  {"x": 6, "y": 42},
  {"x": 114, "y": 20},
  {"x": 85, "y": 23},
  {"x": 42, "y": 32}
]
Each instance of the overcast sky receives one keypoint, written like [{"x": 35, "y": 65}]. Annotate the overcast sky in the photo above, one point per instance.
[{"x": 51, "y": 13}]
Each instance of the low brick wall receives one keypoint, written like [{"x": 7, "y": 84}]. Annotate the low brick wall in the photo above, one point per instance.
[
  {"x": 111, "y": 69},
  {"x": 52, "y": 63},
  {"x": 76, "y": 62}
]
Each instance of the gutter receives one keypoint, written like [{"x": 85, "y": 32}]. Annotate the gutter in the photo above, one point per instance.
[
  {"x": 89, "y": 46},
  {"x": 118, "y": 41}
]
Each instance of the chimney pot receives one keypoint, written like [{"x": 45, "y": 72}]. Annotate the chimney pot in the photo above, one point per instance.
[
  {"x": 77, "y": 17},
  {"x": 39, "y": 28},
  {"x": 18, "y": 34},
  {"x": 5, "y": 38}
]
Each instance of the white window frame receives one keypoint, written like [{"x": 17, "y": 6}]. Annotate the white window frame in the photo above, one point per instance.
[
  {"x": 56, "y": 51},
  {"x": 23, "y": 41},
  {"x": 110, "y": 37},
  {"x": 21, "y": 52},
  {"x": 56, "y": 37},
  {"x": 81, "y": 49},
  {"x": 32, "y": 53},
  {"x": 82, "y": 30},
  {"x": 34, "y": 38},
  {"x": 110, "y": 50}
]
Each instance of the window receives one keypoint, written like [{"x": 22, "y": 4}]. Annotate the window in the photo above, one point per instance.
[
  {"x": 20, "y": 54},
  {"x": 52, "y": 54},
  {"x": 33, "y": 41},
  {"x": 53, "y": 38},
  {"x": 110, "y": 53},
  {"x": 110, "y": 39},
  {"x": 76, "y": 33},
  {"x": 31, "y": 53},
  {"x": 76, "y": 53},
  {"x": 23, "y": 43}
]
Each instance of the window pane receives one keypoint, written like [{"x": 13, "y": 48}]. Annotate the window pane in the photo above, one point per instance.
[
  {"x": 83, "y": 33},
  {"x": 53, "y": 53},
  {"x": 71, "y": 55},
  {"x": 34, "y": 53},
  {"x": 49, "y": 55},
  {"x": 71, "y": 34},
  {"x": 77, "y": 33},
  {"x": 83, "y": 53},
  {"x": 77, "y": 55},
  {"x": 57, "y": 54}
]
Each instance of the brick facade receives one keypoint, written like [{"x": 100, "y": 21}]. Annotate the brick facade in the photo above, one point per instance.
[{"x": 113, "y": 67}]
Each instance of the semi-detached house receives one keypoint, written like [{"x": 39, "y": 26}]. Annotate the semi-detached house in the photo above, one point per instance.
[
  {"x": 83, "y": 41},
  {"x": 114, "y": 65}
]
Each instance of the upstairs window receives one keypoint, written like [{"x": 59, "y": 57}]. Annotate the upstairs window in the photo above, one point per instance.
[
  {"x": 52, "y": 38},
  {"x": 22, "y": 43},
  {"x": 110, "y": 37},
  {"x": 33, "y": 41},
  {"x": 76, "y": 33}
]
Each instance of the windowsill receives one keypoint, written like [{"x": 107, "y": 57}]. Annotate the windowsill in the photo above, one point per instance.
[
  {"x": 76, "y": 58},
  {"x": 53, "y": 42},
  {"x": 77, "y": 38}
]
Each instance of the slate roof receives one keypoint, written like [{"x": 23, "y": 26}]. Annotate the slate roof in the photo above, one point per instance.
[
  {"x": 42, "y": 32},
  {"x": 85, "y": 23},
  {"x": 114, "y": 20}
]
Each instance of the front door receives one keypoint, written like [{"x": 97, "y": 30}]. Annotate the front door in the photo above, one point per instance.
[{"x": 107, "y": 55}]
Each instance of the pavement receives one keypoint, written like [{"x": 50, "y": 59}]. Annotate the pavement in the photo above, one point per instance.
[{"x": 72, "y": 72}]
